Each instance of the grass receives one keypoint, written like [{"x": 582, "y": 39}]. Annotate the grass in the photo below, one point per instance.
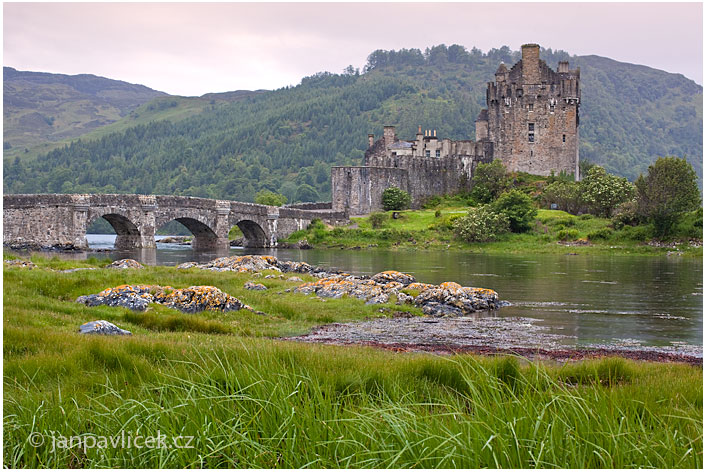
[
  {"x": 552, "y": 232},
  {"x": 252, "y": 401}
]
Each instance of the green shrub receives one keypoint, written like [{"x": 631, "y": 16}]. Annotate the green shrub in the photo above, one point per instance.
[
  {"x": 377, "y": 219},
  {"x": 603, "y": 192},
  {"x": 481, "y": 224},
  {"x": 603, "y": 233},
  {"x": 489, "y": 181},
  {"x": 266, "y": 197},
  {"x": 568, "y": 234},
  {"x": 585, "y": 216},
  {"x": 437, "y": 213},
  {"x": 570, "y": 221},
  {"x": 518, "y": 208},
  {"x": 625, "y": 215},
  {"x": 637, "y": 233},
  {"x": 396, "y": 199},
  {"x": 433, "y": 201}
]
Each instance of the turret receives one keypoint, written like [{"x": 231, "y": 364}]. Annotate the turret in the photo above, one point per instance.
[
  {"x": 530, "y": 64},
  {"x": 389, "y": 135}
]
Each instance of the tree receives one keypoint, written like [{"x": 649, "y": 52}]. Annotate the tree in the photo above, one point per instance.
[
  {"x": 266, "y": 197},
  {"x": 566, "y": 196},
  {"x": 669, "y": 190},
  {"x": 306, "y": 193},
  {"x": 603, "y": 192},
  {"x": 489, "y": 181},
  {"x": 394, "y": 198},
  {"x": 518, "y": 208},
  {"x": 481, "y": 224}
]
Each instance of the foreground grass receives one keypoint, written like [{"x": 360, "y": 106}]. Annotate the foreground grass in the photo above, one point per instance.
[
  {"x": 553, "y": 232},
  {"x": 250, "y": 401}
]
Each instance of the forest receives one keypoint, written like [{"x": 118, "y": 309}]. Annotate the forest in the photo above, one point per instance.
[{"x": 286, "y": 140}]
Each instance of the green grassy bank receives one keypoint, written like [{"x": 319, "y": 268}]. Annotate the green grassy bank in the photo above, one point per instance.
[
  {"x": 251, "y": 401},
  {"x": 552, "y": 232}
]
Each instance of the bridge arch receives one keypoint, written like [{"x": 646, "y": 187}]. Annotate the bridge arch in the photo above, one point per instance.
[
  {"x": 204, "y": 236},
  {"x": 253, "y": 234},
  {"x": 128, "y": 235}
]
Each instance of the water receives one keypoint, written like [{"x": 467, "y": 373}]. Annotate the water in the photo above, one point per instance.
[{"x": 592, "y": 300}]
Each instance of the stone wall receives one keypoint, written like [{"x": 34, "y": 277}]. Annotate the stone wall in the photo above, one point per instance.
[{"x": 358, "y": 190}]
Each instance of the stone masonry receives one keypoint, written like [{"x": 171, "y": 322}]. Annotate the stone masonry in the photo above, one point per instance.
[
  {"x": 531, "y": 125},
  {"x": 44, "y": 221}
]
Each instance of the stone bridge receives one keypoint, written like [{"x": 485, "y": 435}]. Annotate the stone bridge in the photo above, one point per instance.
[{"x": 46, "y": 220}]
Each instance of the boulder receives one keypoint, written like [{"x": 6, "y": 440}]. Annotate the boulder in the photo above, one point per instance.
[
  {"x": 189, "y": 300},
  {"x": 254, "y": 286},
  {"x": 125, "y": 264},
  {"x": 393, "y": 276},
  {"x": 21, "y": 263},
  {"x": 102, "y": 327}
]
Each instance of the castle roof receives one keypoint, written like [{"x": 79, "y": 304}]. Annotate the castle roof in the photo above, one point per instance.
[
  {"x": 483, "y": 115},
  {"x": 401, "y": 145},
  {"x": 501, "y": 68}
]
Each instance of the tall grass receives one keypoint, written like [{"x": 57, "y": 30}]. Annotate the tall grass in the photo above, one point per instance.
[{"x": 276, "y": 405}]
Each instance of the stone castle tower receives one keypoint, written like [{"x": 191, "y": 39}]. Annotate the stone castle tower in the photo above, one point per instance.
[
  {"x": 531, "y": 125},
  {"x": 532, "y": 117}
]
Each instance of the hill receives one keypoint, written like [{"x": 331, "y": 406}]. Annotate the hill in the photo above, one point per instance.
[
  {"x": 40, "y": 107},
  {"x": 286, "y": 140}
]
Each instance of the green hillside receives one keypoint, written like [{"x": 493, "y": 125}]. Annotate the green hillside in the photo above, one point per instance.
[
  {"x": 42, "y": 108},
  {"x": 286, "y": 140}
]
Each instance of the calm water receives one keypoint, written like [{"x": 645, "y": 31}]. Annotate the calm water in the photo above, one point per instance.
[{"x": 616, "y": 300}]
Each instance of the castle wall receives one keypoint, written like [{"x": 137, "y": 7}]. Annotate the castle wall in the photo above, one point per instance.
[{"x": 358, "y": 190}]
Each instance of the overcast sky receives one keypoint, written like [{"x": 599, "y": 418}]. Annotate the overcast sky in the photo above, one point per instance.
[{"x": 196, "y": 48}]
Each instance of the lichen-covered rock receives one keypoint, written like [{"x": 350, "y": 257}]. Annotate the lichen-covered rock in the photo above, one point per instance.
[
  {"x": 125, "y": 264},
  {"x": 294, "y": 278},
  {"x": 403, "y": 298},
  {"x": 254, "y": 286},
  {"x": 102, "y": 327},
  {"x": 199, "y": 298},
  {"x": 450, "y": 298},
  {"x": 21, "y": 263},
  {"x": 239, "y": 264},
  {"x": 187, "y": 265},
  {"x": 393, "y": 276},
  {"x": 134, "y": 297},
  {"x": 189, "y": 300}
]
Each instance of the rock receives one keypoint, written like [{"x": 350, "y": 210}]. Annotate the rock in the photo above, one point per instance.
[
  {"x": 187, "y": 265},
  {"x": 174, "y": 240},
  {"x": 393, "y": 276},
  {"x": 254, "y": 286},
  {"x": 237, "y": 242},
  {"x": 21, "y": 263},
  {"x": 68, "y": 271},
  {"x": 189, "y": 300},
  {"x": 125, "y": 264},
  {"x": 403, "y": 298},
  {"x": 199, "y": 298},
  {"x": 102, "y": 327},
  {"x": 304, "y": 244},
  {"x": 294, "y": 278},
  {"x": 270, "y": 276},
  {"x": 134, "y": 297}
]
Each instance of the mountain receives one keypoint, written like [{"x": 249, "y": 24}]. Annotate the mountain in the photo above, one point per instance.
[
  {"x": 41, "y": 107},
  {"x": 286, "y": 140}
]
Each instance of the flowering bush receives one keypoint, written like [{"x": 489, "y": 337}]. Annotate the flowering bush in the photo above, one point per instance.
[{"x": 481, "y": 224}]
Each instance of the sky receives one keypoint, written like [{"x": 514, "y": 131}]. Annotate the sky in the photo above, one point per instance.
[{"x": 196, "y": 48}]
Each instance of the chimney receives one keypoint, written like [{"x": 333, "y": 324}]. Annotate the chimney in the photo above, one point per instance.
[
  {"x": 530, "y": 63},
  {"x": 563, "y": 67},
  {"x": 435, "y": 133},
  {"x": 371, "y": 140},
  {"x": 389, "y": 135}
]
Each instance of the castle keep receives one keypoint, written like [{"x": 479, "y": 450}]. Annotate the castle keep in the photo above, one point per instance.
[{"x": 531, "y": 125}]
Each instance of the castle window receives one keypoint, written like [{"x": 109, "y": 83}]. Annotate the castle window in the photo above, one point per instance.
[
  {"x": 551, "y": 108},
  {"x": 531, "y": 107},
  {"x": 428, "y": 153},
  {"x": 519, "y": 93},
  {"x": 563, "y": 138},
  {"x": 530, "y": 134},
  {"x": 530, "y": 126},
  {"x": 438, "y": 153}
]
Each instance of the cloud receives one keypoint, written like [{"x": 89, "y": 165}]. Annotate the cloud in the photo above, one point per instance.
[{"x": 191, "y": 49}]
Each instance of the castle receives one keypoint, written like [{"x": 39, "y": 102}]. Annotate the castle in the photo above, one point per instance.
[{"x": 531, "y": 125}]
